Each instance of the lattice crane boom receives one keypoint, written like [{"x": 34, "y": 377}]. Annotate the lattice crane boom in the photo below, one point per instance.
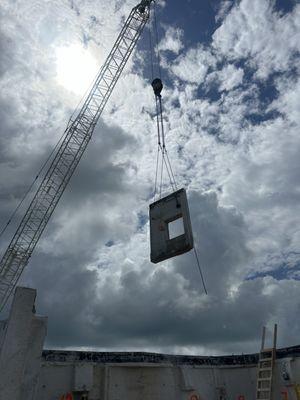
[{"x": 68, "y": 155}]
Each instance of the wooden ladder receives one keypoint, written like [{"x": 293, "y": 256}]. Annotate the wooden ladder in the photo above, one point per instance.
[{"x": 267, "y": 357}]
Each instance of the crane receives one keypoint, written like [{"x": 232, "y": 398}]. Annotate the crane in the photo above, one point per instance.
[{"x": 77, "y": 136}]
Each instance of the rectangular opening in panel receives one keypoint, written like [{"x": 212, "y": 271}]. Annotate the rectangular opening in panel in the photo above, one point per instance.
[{"x": 176, "y": 228}]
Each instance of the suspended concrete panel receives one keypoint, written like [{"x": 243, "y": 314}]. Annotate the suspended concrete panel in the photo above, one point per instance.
[{"x": 170, "y": 227}]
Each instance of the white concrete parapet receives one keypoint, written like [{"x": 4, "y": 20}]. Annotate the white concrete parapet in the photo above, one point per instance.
[{"x": 21, "y": 343}]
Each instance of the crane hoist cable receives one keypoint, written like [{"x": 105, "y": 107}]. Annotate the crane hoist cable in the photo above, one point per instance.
[
  {"x": 157, "y": 40},
  {"x": 162, "y": 158},
  {"x": 157, "y": 86}
]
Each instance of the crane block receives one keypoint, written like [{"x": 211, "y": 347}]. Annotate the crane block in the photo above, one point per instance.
[{"x": 170, "y": 227}]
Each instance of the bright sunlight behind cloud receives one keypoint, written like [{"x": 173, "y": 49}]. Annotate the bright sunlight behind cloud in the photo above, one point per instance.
[{"x": 76, "y": 68}]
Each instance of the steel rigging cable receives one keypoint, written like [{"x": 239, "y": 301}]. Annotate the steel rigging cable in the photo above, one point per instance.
[{"x": 157, "y": 86}]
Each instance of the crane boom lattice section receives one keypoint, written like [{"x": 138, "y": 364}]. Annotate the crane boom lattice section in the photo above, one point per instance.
[{"x": 77, "y": 136}]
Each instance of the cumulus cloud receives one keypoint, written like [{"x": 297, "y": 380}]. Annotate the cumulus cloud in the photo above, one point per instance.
[
  {"x": 223, "y": 9},
  {"x": 123, "y": 301},
  {"x": 255, "y": 32},
  {"x": 193, "y": 65},
  {"x": 230, "y": 77},
  {"x": 156, "y": 304},
  {"x": 172, "y": 40},
  {"x": 232, "y": 128}
]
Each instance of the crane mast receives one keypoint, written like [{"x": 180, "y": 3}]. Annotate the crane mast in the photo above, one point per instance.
[{"x": 77, "y": 135}]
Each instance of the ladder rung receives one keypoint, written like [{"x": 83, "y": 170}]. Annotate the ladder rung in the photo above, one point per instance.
[
  {"x": 267, "y": 352},
  {"x": 264, "y": 377},
  {"x": 264, "y": 366},
  {"x": 265, "y": 355}
]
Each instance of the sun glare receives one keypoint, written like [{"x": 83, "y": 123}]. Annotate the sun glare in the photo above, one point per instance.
[{"x": 75, "y": 68}]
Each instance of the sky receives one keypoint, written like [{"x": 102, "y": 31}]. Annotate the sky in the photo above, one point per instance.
[{"x": 231, "y": 113}]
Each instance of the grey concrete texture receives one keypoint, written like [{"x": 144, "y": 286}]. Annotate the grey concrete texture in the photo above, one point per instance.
[
  {"x": 162, "y": 213},
  {"x": 142, "y": 381},
  {"x": 22, "y": 342}
]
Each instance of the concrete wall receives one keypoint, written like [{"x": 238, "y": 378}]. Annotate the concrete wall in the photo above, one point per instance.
[
  {"x": 287, "y": 378},
  {"x": 29, "y": 373},
  {"x": 135, "y": 381},
  {"x": 22, "y": 338}
]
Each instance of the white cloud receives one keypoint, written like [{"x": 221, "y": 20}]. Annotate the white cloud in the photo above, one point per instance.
[
  {"x": 223, "y": 9},
  {"x": 172, "y": 40},
  {"x": 254, "y": 29},
  {"x": 193, "y": 65},
  {"x": 288, "y": 99},
  {"x": 230, "y": 77}
]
